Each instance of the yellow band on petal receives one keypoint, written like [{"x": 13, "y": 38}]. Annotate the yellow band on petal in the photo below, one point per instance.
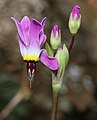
[{"x": 31, "y": 57}]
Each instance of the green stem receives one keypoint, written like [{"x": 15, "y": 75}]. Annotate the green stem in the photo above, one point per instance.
[{"x": 54, "y": 104}]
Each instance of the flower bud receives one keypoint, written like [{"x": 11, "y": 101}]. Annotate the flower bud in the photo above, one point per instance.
[
  {"x": 63, "y": 56},
  {"x": 55, "y": 38},
  {"x": 75, "y": 20}
]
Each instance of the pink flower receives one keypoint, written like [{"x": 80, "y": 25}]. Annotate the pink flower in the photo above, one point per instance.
[{"x": 31, "y": 38}]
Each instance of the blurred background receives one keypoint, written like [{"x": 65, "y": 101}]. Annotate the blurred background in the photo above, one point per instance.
[{"x": 78, "y": 95}]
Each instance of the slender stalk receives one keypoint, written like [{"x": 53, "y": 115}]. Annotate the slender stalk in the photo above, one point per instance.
[
  {"x": 55, "y": 105},
  {"x": 71, "y": 44},
  {"x": 24, "y": 93},
  {"x": 11, "y": 105}
]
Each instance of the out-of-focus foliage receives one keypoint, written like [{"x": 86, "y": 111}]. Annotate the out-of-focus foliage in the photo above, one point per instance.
[{"x": 8, "y": 88}]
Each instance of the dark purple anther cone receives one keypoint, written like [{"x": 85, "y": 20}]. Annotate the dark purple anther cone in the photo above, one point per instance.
[{"x": 31, "y": 70}]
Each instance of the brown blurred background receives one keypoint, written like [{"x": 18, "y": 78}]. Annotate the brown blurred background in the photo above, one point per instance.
[{"x": 78, "y": 96}]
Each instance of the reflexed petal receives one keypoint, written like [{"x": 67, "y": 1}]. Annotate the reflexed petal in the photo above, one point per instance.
[
  {"x": 23, "y": 48},
  {"x": 19, "y": 28},
  {"x": 43, "y": 21},
  {"x": 43, "y": 24},
  {"x": 25, "y": 23},
  {"x": 42, "y": 40},
  {"x": 50, "y": 62},
  {"x": 42, "y": 35},
  {"x": 35, "y": 29}
]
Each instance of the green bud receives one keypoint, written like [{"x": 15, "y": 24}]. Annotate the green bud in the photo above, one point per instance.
[
  {"x": 75, "y": 20},
  {"x": 63, "y": 56},
  {"x": 55, "y": 38}
]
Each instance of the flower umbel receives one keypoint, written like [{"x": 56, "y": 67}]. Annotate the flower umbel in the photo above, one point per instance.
[{"x": 31, "y": 38}]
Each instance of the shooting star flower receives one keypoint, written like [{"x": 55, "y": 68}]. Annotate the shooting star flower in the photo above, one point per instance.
[{"x": 31, "y": 38}]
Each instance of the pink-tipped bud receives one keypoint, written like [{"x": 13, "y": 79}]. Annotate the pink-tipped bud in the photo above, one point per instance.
[
  {"x": 55, "y": 38},
  {"x": 75, "y": 20}
]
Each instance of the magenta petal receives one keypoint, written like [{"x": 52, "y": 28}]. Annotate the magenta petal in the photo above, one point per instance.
[
  {"x": 19, "y": 28},
  {"x": 76, "y": 11},
  {"x": 43, "y": 37},
  {"x": 21, "y": 45},
  {"x": 25, "y": 23},
  {"x": 43, "y": 21},
  {"x": 55, "y": 30},
  {"x": 42, "y": 40},
  {"x": 35, "y": 28},
  {"x": 43, "y": 24},
  {"x": 50, "y": 62}
]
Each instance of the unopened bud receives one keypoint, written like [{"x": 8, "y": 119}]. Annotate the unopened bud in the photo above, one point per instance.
[
  {"x": 75, "y": 20},
  {"x": 55, "y": 38},
  {"x": 63, "y": 56}
]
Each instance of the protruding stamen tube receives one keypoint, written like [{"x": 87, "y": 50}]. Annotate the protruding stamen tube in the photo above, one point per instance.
[{"x": 31, "y": 69}]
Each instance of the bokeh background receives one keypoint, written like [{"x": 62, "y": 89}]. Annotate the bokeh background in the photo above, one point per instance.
[{"x": 78, "y": 95}]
